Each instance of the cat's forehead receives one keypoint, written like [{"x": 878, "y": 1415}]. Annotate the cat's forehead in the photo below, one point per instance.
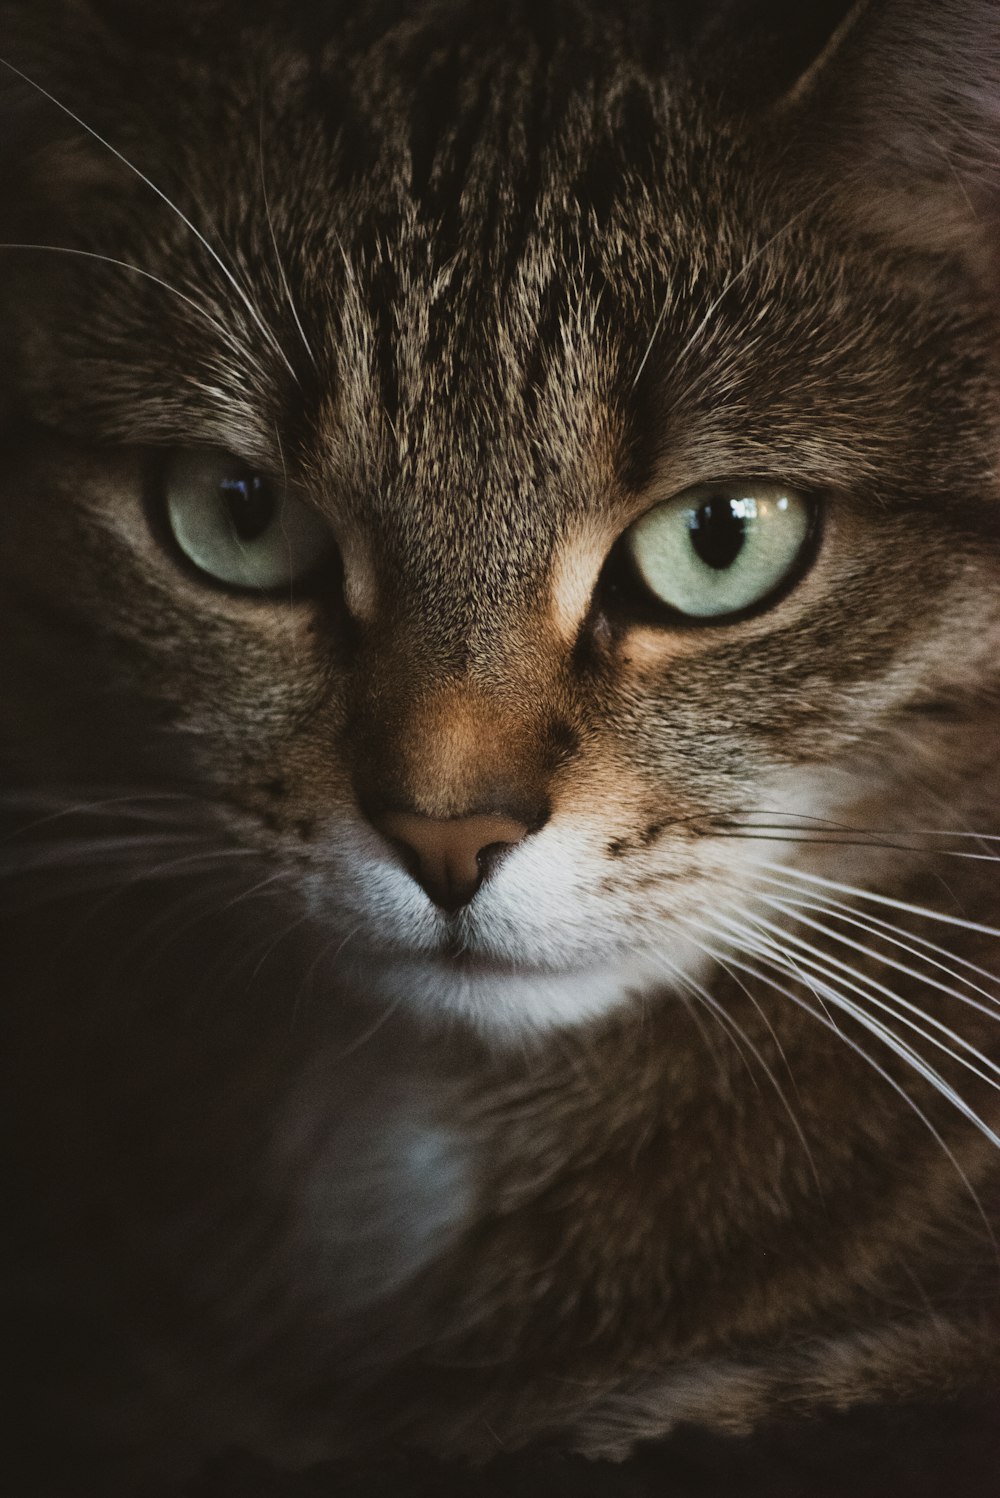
[
  {"x": 480, "y": 311},
  {"x": 476, "y": 284}
]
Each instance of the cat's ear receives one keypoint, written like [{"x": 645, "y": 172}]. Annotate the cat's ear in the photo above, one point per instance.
[
  {"x": 751, "y": 52},
  {"x": 905, "y": 109}
]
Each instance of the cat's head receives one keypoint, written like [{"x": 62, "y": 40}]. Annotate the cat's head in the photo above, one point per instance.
[{"x": 535, "y": 498}]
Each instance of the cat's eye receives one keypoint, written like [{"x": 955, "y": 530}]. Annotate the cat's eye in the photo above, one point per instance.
[
  {"x": 239, "y": 526},
  {"x": 718, "y": 550}
]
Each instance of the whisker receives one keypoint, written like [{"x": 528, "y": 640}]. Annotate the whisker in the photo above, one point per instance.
[
  {"x": 725, "y": 1020},
  {"x": 830, "y": 968},
  {"x": 732, "y": 1031},
  {"x": 737, "y": 276},
  {"x": 274, "y": 242},
  {"x": 136, "y": 270},
  {"x": 131, "y": 805},
  {"x": 167, "y": 917},
  {"x": 373, "y": 1029},
  {"x": 796, "y": 819},
  {"x": 72, "y": 852},
  {"x": 888, "y": 931},
  {"x": 772, "y": 952},
  {"x": 320, "y": 960},
  {"x": 822, "y": 1018},
  {"x": 887, "y": 900},
  {"x": 210, "y": 860},
  {"x": 693, "y": 1008},
  {"x": 992, "y": 1011},
  {"x": 823, "y": 839},
  {"x": 272, "y": 944},
  {"x": 130, "y": 166}
]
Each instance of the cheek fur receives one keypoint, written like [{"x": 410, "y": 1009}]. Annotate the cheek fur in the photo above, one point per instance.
[{"x": 686, "y": 1112}]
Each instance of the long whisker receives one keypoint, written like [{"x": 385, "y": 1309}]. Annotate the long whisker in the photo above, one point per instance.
[
  {"x": 726, "y": 1020},
  {"x": 737, "y": 276},
  {"x": 830, "y": 968},
  {"x": 277, "y": 253},
  {"x": 108, "y": 876},
  {"x": 320, "y": 960},
  {"x": 900, "y": 1049},
  {"x": 824, "y": 839},
  {"x": 132, "y": 805},
  {"x": 915, "y": 944},
  {"x": 136, "y": 270},
  {"x": 168, "y": 918},
  {"x": 802, "y": 820},
  {"x": 131, "y": 166},
  {"x": 732, "y": 1031},
  {"x": 271, "y": 944},
  {"x": 885, "y": 932},
  {"x": 72, "y": 852},
  {"x": 887, "y": 900},
  {"x": 793, "y": 909},
  {"x": 373, "y": 1029}
]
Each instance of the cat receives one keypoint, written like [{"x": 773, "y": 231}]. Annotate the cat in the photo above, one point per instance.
[{"x": 500, "y": 673}]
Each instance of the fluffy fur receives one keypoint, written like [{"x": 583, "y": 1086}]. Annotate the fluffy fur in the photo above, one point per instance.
[{"x": 689, "y": 1115}]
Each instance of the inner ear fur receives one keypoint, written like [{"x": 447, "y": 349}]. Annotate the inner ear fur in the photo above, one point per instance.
[{"x": 903, "y": 109}]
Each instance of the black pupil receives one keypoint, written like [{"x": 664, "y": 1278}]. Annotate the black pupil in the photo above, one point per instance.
[
  {"x": 718, "y": 531},
  {"x": 250, "y": 502}
]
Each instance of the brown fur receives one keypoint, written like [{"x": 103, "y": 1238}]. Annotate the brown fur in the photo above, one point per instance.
[{"x": 316, "y": 1171}]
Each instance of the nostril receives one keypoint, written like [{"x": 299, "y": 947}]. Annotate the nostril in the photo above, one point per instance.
[
  {"x": 489, "y": 858},
  {"x": 450, "y": 857}
]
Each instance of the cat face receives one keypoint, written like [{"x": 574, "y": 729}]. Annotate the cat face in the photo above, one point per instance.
[{"x": 532, "y": 505}]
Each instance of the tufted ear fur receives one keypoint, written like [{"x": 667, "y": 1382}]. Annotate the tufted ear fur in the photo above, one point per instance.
[{"x": 907, "y": 98}]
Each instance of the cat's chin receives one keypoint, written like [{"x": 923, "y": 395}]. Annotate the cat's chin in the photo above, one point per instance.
[{"x": 498, "y": 998}]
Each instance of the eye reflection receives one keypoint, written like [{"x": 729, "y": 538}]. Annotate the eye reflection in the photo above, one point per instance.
[
  {"x": 237, "y": 526},
  {"x": 718, "y": 550}
]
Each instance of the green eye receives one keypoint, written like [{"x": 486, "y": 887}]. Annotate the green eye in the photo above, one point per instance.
[
  {"x": 238, "y": 526},
  {"x": 720, "y": 549}
]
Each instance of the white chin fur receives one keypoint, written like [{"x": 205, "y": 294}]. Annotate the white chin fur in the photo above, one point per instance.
[{"x": 508, "y": 1004}]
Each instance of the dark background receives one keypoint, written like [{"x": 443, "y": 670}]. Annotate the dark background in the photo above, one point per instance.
[{"x": 949, "y": 1451}]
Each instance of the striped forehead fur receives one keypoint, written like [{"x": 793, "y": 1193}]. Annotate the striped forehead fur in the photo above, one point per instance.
[{"x": 673, "y": 1096}]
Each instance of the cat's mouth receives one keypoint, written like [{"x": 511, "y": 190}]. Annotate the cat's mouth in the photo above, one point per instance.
[{"x": 464, "y": 961}]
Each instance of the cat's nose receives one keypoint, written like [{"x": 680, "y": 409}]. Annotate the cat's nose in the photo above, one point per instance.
[{"x": 450, "y": 856}]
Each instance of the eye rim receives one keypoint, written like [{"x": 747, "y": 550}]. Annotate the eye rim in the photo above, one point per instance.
[
  {"x": 312, "y": 584},
  {"x": 626, "y": 598}
]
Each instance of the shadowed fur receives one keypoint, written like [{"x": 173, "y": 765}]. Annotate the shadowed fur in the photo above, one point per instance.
[{"x": 689, "y": 1114}]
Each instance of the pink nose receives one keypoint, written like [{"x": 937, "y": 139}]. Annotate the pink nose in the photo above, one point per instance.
[{"x": 450, "y": 856}]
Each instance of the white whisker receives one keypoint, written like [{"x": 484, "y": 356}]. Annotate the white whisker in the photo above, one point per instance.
[
  {"x": 71, "y": 852},
  {"x": 795, "y": 820},
  {"x": 887, "y": 900},
  {"x": 714, "y": 305},
  {"x": 831, "y": 969},
  {"x": 726, "y": 1021},
  {"x": 277, "y": 253},
  {"x": 898, "y": 1047},
  {"x": 130, "y": 165},
  {"x": 136, "y": 270},
  {"x": 888, "y": 931},
  {"x": 789, "y": 907},
  {"x": 272, "y": 942},
  {"x": 131, "y": 805},
  {"x": 819, "y": 838},
  {"x": 320, "y": 960},
  {"x": 372, "y": 1030}
]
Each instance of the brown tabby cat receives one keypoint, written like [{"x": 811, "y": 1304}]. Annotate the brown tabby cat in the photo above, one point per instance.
[{"x": 501, "y": 677}]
